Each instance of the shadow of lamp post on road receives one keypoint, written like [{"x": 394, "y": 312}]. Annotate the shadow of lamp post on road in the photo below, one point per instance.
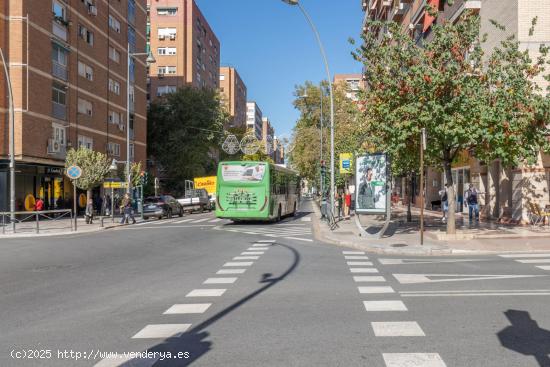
[{"x": 525, "y": 336}]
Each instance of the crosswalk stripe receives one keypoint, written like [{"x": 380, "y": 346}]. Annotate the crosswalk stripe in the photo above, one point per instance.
[
  {"x": 353, "y": 252},
  {"x": 230, "y": 271},
  {"x": 363, "y": 270},
  {"x": 534, "y": 261},
  {"x": 215, "y": 220},
  {"x": 373, "y": 290},
  {"x": 220, "y": 281},
  {"x": 413, "y": 359},
  {"x": 266, "y": 241},
  {"x": 246, "y": 258},
  {"x": 544, "y": 267},
  {"x": 252, "y": 253},
  {"x": 306, "y": 219},
  {"x": 185, "y": 220},
  {"x": 200, "y": 220},
  {"x": 546, "y": 254},
  {"x": 397, "y": 328},
  {"x": 157, "y": 331},
  {"x": 239, "y": 263},
  {"x": 351, "y": 257},
  {"x": 355, "y": 263},
  {"x": 206, "y": 293},
  {"x": 187, "y": 308},
  {"x": 372, "y": 306},
  {"x": 299, "y": 239},
  {"x": 369, "y": 278},
  {"x": 257, "y": 248},
  {"x": 121, "y": 360}
]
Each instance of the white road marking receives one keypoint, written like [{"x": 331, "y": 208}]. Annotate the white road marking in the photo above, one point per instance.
[
  {"x": 253, "y": 253},
  {"x": 546, "y": 254},
  {"x": 353, "y": 252},
  {"x": 259, "y": 245},
  {"x": 534, "y": 261},
  {"x": 384, "y": 306},
  {"x": 230, "y": 271},
  {"x": 544, "y": 267},
  {"x": 363, "y": 270},
  {"x": 369, "y": 278},
  {"x": 413, "y": 360},
  {"x": 184, "y": 221},
  {"x": 206, "y": 293},
  {"x": 424, "y": 261},
  {"x": 271, "y": 241},
  {"x": 239, "y": 263},
  {"x": 299, "y": 239},
  {"x": 215, "y": 220},
  {"x": 120, "y": 360},
  {"x": 476, "y": 294},
  {"x": 351, "y": 257},
  {"x": 425, "y": 278},
  {"x": 156, "y": 331},
  {"x": 397, "y": 328},
  {"x": 306, "y": 219},
  {"x": 220, "y": 281},
  {"x": 200, "y": 220},
  {"x": 360, "y": 263},
  {"x": 257, "y": 248},
  {"x": 187, "y": 308},
  {"x": 375, "y": 290},
  {"x": 246, "y": 258}
]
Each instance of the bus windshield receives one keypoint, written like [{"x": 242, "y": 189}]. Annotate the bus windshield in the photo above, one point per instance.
[{"x": 245, "y": 172}]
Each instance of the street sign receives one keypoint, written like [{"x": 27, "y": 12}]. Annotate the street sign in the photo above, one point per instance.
[
  {"x": 345, "y": 162},
  {"x": 115, "y": 185},
  {"x": 74, "y": 172}
]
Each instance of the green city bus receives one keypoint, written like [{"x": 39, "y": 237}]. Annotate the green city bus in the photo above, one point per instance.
[{"x": 247, "y": 190}]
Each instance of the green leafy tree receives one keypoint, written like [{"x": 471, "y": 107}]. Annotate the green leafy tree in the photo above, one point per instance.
[
  {"x": 183, "y": 134},
  {"x": 95, "y": 168},
  {"x": 466, "y": 100}
]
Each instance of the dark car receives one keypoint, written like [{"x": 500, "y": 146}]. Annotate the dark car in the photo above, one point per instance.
[{"x": 161, "y": 206}]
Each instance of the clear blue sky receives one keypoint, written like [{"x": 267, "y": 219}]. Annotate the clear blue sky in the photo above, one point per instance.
[{"x": 273, "y": 48}]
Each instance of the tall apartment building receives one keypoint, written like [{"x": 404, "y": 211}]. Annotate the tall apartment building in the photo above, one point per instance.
[
  {"x": 268, "y": 134},
  {"x": 68, "y": 65},
  {"x": 233, "y": 92},
  {"x": 352, "y": 82},
  {"x": 186, "y": 50},
  {"x": 508, "y": 192},
  {"x": 254, "y": 119}
]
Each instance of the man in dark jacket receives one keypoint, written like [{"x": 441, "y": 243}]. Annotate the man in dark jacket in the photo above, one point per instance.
[{"x": 472, "y": 201}]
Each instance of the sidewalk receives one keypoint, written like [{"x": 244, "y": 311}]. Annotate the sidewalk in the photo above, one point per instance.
[
  {"x": 60, "y": 227},
  {"x": 404, "y": 238}
]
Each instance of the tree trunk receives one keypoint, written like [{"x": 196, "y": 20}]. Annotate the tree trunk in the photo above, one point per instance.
[
  {"x": 88, "y": 195},
  {"x": 451, "y": 196},
  {"x": 409, "y": 201}
]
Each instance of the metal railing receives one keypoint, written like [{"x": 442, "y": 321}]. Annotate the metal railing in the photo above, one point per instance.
[{"x": 22, "y": 218}]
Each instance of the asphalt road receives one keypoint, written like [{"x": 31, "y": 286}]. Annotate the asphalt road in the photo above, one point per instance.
[{"x": 222, "y": 294}]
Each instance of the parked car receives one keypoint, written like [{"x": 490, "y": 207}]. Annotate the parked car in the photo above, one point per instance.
[
  {"x": 161, "y": 206},
  {"x": 195, "y": 199}
]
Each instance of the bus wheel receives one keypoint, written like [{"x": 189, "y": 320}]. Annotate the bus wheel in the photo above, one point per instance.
[{"x": 279, "y": 214}]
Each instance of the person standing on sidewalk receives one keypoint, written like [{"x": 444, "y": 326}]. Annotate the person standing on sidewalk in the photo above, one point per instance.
[
  {"x": 471, "y": 198},
  {"x": 444, "y": 202},
  {"x": 89, "y": 212},
  {"x": 39, "y": 205},
  {"x": 347, "y": 201},
  {"x": 126, "y": 208}
]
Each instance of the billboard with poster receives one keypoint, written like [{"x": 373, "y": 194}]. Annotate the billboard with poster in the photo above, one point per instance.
[{"x": 371, "y": 172}]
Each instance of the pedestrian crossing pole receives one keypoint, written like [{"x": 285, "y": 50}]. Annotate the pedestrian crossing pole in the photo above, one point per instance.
[{"x": 422, "y": 148}]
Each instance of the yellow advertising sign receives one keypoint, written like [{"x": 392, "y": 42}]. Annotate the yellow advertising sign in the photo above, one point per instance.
[
  {"x": 114, "y": 185},
  {"x": 208, "y": 183},
  {"x": 345, "y": 162}
]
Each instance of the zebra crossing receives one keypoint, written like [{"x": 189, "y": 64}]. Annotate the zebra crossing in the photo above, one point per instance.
[
  {"x": 288, "y": 230},
  {"x": 179, "y": 221},
  {"x": 539, "y": 260}
]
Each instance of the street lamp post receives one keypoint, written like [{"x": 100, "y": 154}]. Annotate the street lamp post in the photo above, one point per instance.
[
  {"x": 11, "y": 117},
  {"x": 321, "y": 47},
  {"x": 150, "y": 60}
]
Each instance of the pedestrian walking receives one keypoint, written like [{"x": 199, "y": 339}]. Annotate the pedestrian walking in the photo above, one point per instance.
[
  {"x": 89, "y": 213},
  {"x": 444, "y": 203},
  {"x": 472, "y": 201},
  {"x": 347, "y": 201},
  {"x": 39, "y": 205},
  {"x": 126, "y": 208},
  {"x": 107, "y": 204}
]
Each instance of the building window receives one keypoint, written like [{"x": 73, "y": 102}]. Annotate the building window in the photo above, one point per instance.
[
  {"x": 58, "y": 133},
  {"x": 86, "y": 35},
  {"x": 113, "y": 149},
  {"x": 161, "y": 69},
  {"x": 132, "y": 39},
  {"x": 164, "y": 89},
  {"x": 114, "y": 24},
  {"x": 164, "y": 33},
  {"x": 115, "y": 118},
  {"x": 171, "y": 70},
  {"x": 222, "y": 76},
  {"x": 85, "y": 107},
  {"x": 170, "y": 50},
  {"x": 131, "y": 151},
  {"x": 59, "y": 95},
  {"x": 161, "y": 51},
  {"x": 85, "y": 142},
  {"x": 131, "y": 11},
  {"x": 114, "y": 54},
  {"x": 167, "y": 11},
  {"x": 59, "y": 11},
  {"x": 114, "y": 86},
  {"x": 59, "y": 61},
  {"x": 85, "y": 71}
]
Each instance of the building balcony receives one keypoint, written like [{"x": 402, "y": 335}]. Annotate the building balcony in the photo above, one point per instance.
[
  {"x": 59, "y": 71},
  {"x": 59, "y": 30},
  {"x": 474, "y": 5},
  {"x": 59, "y": 111},
  {"x": 132, "y": 134},
  {"x": 56, "y": 149}
]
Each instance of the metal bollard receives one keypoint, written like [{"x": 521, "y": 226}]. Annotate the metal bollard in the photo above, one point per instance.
[{"x": 37, "y": 223}]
